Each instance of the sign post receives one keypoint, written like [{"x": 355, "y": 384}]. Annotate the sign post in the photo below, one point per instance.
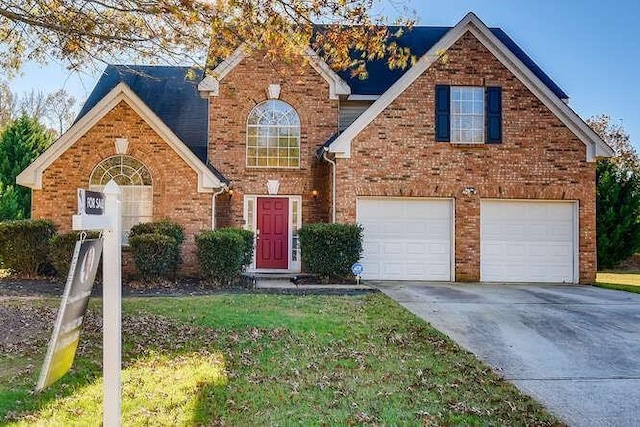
[{"x": 111, "y": 225}]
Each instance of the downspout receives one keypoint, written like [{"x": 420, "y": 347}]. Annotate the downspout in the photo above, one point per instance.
[
  {"x": 213, "y": 206},
  {"x": 333, "y": 184}
]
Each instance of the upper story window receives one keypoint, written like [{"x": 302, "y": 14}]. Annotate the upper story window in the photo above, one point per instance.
[
  {"x": 273, "y": 136},
  {"x": 468, "y": 114},
  {"x": 136, "y": 188}
]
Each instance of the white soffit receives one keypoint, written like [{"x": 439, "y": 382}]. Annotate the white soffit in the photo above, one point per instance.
[
  {"x": 210, "y": 86},
  {"x": 32, "y": 176},
  {"x": 471, "y": 23}
]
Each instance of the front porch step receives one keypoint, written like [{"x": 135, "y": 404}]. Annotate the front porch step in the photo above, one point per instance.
[
  {"x": 272, "y": 276},
  {"x": 272, "y": 280}
]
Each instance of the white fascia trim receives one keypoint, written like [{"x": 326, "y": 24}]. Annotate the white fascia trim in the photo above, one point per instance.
[
  {"x": 210, "y": 85},
  {"x": 595, "y": 146},
  {"x": 337, "y": 86},
  {"x": 342, "y": 144},
  {"x": 32, "y": 176},
  {"x": 363, "y": 97}
]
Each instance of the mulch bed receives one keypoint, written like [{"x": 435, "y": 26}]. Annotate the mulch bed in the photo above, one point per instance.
[{"x": 46, "y": 287}]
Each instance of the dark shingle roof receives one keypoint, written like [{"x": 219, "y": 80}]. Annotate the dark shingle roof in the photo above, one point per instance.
[
  {"x": 168, "y": 93},
  {"x": 420, "y": 40},
  {"x": 175, "y": 99}
]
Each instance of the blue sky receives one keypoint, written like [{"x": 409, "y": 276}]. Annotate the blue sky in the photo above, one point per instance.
[{"x": 590, "y": 48}]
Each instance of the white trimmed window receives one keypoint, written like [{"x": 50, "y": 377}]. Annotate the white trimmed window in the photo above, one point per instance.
[
  {"x": 273, "y": 136},
  {"x": 467, "y": 114},
  {"x": 136, "y": 188}
]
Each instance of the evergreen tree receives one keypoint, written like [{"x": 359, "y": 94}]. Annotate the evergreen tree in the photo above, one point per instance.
[
  {"x": 617, "y": 195},
  {"x": 21, "y": 141},
  {"x": 618, "y": 213}
]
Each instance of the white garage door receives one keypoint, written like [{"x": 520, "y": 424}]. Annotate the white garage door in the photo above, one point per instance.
[
  {"x": 529, "y": 241},
  {"x": 406, "y": 239}
]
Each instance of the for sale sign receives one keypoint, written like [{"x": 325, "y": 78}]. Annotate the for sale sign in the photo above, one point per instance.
[
  {"x": 66, "y": 332},
  {"x": 90, "y": 202}
]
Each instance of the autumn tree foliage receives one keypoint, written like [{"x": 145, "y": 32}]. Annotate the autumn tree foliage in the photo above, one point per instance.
[
  {"x": 617, "y": 195},
  {"x": 345, "y": 33}
]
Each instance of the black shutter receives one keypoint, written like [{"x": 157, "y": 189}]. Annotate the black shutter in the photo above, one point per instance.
[
  {"x": 443, "y": 121},
  {"x": 494, "y": 115}
]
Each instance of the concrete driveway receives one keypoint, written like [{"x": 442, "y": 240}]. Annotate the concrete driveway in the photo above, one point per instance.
[{"x": 575, "y": 349}]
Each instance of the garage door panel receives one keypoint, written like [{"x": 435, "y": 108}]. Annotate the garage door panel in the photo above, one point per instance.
[
  {"x": 535, "y": 242},
  {"x": 392, "y": 248},
  {"x": 415, "y": 248},
  {"x": 442, "y": 248},
  {"x": 406, "y": 239}
]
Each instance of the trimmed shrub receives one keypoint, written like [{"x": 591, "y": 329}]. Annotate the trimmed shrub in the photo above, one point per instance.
[
  {"x": 24, "y": 245},
  {"x": 154, "y": 255},
  {"x": 247, "y": 242},
  {"x": 221, "y": 254},
  {"x": 329, "y": 250},
  {"x": 61, "y": 250},
  {"x": 163, "y": 227}
]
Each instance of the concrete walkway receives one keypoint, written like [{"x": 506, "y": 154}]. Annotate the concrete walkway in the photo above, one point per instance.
[{"x": 575, "y": 349}]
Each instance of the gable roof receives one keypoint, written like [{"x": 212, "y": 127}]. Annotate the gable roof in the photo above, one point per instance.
[
  {"x": 596, "y": 147},
  {"x": 210, "y": 86},
  {"x": 420, "y": 40},
  {"x": 168, "y": 93},
  {"x": 208, "y": 178}
]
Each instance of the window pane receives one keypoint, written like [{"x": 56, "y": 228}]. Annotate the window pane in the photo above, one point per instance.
[
  {"x": 467, "y": 114},
  {"x": 273, "y": 126},
  {"x": 136, "y": 189}
]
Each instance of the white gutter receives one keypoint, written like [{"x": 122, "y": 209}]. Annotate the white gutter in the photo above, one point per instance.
[{"x": 333, "y": 185}]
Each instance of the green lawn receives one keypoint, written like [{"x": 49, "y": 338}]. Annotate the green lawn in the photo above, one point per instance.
[
  {"x": 629, "y": 282},
  {"x": 264, "y": 360}
]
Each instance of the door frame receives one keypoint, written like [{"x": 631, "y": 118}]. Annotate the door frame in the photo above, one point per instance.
[{"x": 250, "y": 217}]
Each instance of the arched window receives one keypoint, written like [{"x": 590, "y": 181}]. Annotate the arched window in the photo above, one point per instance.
[
  {"x": 273, "y": 136},
  {"x": 136, "y": 188}
]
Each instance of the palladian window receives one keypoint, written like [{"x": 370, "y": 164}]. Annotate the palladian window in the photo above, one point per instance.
[
  {"x": 273, "y": 136},
  {"x": 136, "y": 188}
]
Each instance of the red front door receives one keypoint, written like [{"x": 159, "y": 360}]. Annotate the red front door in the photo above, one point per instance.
[{"x": 273, "y": 233}]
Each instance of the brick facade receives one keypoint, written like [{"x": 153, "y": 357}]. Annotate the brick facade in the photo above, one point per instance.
[
  {"x": 394, "y": 156},
  {"x": 245, "y": 87},
  {"x": 539, "y": 158},
  {"x": 175, "y": 184}
]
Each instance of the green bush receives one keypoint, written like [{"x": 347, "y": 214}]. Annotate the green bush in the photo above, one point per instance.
[
  {"x": 61, "y": 248},
  {"x": 221, "y": 255},
  {"x": 329, "y": 250},
  {"x": 154, "y": 255},
  {"x": 163, "y": 227},
  {"x": 247, "y": 242},
  {"x": 24, "y": 245}
]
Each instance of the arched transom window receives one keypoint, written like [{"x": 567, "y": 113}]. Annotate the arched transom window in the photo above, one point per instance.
[
  {"x": 273, "y": 136},
  {"x": 136, "y": 188}
]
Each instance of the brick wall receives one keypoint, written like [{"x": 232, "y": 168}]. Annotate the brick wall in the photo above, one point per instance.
[
  {"x": 396, "y": 155},
  {"x": 241, "y": 90},
  {"x": 175, "y": 186}
]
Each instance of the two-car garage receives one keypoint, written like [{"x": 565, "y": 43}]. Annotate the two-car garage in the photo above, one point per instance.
[{"x": 520, "y": 241}]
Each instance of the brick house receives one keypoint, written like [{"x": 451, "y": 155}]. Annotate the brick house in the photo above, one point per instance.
[{"x": 467, "y": 166}]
